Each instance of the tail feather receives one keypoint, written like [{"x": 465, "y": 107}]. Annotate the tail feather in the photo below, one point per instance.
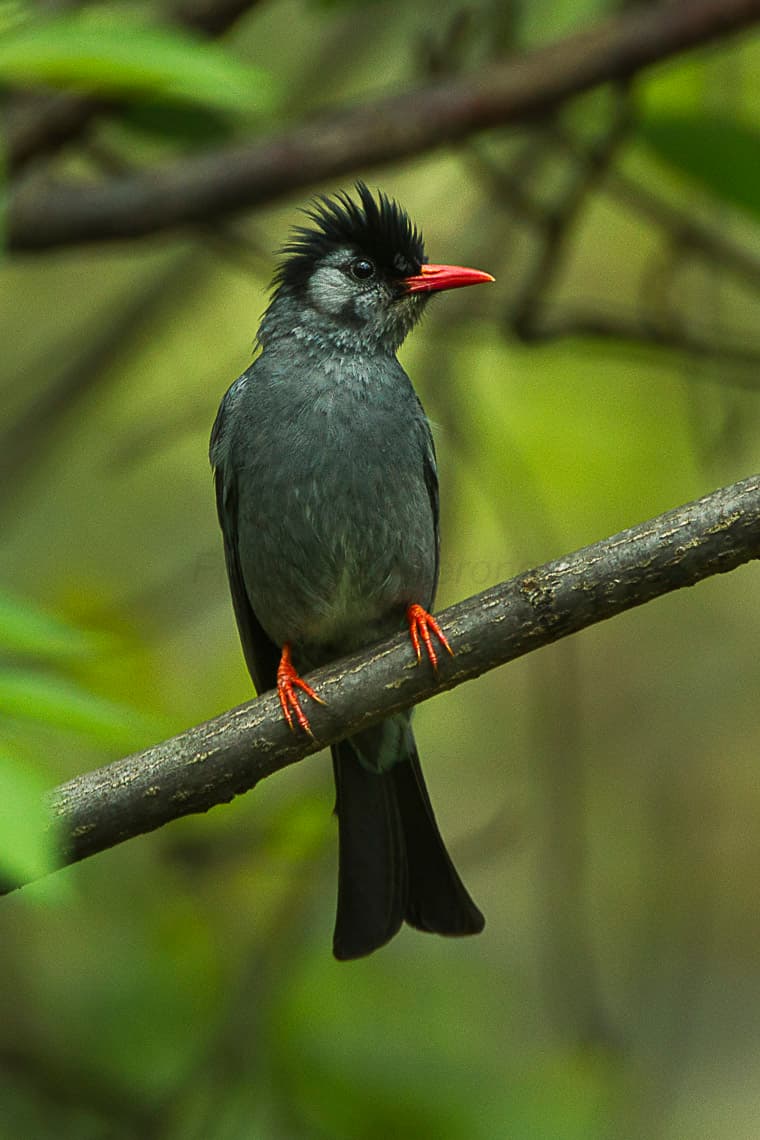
[
  {"x": 393, "y": 864},
  {"x": 372, "y": 872},
  {"x": 437, "y": 900}
]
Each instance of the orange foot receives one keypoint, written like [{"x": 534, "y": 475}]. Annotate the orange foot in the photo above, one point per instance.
[
  {"x": 288, "y": 681},
  {"x": 421, "y": 625}
]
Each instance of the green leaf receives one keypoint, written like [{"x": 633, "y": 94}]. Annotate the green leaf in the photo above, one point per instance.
[
  {"x": 179, "y": 123},
  {"x": 721, "y": 154},
  {"x": 59, "y": 703},
  {"x": 27, "y": 844},
  {"x": 94, "y": 51},
  {"x": 27, "y": 630},
  {"x": 12, "y": 13}
]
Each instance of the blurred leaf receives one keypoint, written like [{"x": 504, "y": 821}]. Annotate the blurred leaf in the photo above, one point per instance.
[
  {"x": 343, "y": 3},
  {"x": 26, "y": 629},
  {"x": 677, "y": 88},
  {"x": 93, "y": 51},
  {"x": 60, "y": 703},
  {"x": 566, "y": 1095},
  {"x": 27, "y": 849},
  {"x": 191, "y": 126},
  {"x": 721, "y": 154},
  {"x": 12, "y": 13}
]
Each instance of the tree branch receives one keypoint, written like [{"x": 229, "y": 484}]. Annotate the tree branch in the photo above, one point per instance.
[
  {"x": 215, "y": 761},
  {"x": 40, "y": 122},
  {"x": 44, "y": 215}
]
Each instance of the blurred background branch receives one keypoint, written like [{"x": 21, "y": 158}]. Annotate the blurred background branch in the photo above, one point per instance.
[
  {"x": 44, "y": 213},
  {"x": 39, "y": 123}
]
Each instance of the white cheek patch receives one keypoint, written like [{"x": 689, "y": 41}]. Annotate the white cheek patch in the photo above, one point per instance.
[{"x": 329, "y": 290}]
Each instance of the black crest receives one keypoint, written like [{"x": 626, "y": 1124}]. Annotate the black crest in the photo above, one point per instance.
[{"x": 377, "y": 228}]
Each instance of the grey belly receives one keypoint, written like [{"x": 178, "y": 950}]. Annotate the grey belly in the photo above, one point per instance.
[{"x": 331, "y": 558}]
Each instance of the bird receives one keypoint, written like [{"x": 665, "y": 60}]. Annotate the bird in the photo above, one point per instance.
[{"x": 327, "y": 496}]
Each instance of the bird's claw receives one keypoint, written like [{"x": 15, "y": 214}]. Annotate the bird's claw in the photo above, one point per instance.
[
  {"x": 421, "y": 626},
  {"x": 288, "y": 680}
]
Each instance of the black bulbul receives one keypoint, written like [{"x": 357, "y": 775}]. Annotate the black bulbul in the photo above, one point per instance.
[{"x": 327, "y": 494}]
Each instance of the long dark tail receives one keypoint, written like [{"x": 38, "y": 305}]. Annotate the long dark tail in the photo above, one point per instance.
[{"x": 393, "y": 865}]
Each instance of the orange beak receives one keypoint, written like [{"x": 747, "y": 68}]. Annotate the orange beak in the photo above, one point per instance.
[{"x": 433, "y": 278}]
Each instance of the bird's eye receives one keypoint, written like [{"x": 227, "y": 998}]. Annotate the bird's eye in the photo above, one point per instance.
[{"x": 362, "y": 269}]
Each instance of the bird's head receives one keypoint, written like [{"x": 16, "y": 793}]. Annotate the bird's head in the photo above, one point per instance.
[{"x": 358, "y": 278}]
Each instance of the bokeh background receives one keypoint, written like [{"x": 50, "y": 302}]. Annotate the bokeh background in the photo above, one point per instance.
[{"x": 601, "y": 797}]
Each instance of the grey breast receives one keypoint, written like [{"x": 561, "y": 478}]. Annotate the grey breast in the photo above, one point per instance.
[{"x": 335, "y": 526}]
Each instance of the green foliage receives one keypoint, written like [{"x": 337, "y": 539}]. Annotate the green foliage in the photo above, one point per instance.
[
  {"x": 27, "y": 846},
  {"x": 12, "y": 14},
  {"x": 720, "y": 154},
  {"x": 182, "y": 124},
  {"x": 44, "y": 693},
  {"x": 38, "y": 692},
  {"x": 58, "y": 702},
  {"x": 101, "y": 51},
  {"x": 28, "y": 630}
]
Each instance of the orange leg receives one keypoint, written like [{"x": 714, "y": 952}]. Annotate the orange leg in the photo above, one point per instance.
[
  {"x": 421, "y": 625},
  {"x": 288, "y": 681}
]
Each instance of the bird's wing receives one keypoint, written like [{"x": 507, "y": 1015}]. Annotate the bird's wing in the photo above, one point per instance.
[
  {"x": 431, "y": 482},
  {"x": 261, "y": 654}
]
